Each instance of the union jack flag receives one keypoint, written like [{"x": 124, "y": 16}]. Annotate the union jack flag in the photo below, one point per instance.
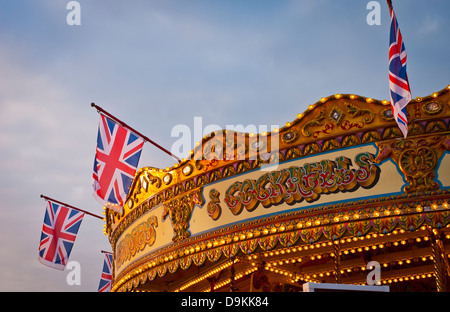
[
  {"x": 116, "y": 159},
  {"x": 106, "y": 279},
  {"x": 400, "y": 92},
  {"x": 59, "y": 231}
]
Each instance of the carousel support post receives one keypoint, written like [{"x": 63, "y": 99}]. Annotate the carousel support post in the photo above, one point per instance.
[
  {"x": 337, "y": 261},
  {"x": 439, "y": 260}
]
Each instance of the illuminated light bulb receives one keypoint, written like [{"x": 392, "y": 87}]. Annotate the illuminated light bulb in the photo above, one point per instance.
[
  {"x": 435, "y": 95},
  {"x": 337, "y": 96}
]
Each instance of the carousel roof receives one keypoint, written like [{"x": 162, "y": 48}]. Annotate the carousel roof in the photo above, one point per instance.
[{"x": 273, "y": 210}]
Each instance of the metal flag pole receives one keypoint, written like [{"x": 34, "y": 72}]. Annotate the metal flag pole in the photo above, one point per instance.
[
  {"x": 69, "y": 206},
  {"x": 101, "y": 110}
]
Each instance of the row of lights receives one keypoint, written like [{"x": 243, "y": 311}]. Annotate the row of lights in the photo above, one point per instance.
[
  {"x": 406, "y": 278},
  {"x": 419, "y": 208},
  {"x": 206, "y": 275},
  {"x": 342, "y": 241},
  {"x": 236, "y": 277}
]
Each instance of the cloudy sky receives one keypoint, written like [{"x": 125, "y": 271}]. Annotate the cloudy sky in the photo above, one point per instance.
[{"x": 157, "y": 64}]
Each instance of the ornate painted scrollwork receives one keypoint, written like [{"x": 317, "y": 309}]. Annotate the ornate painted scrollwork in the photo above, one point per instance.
[
  {"x": 315, "y": 122},
  {"x": 354, "y": 111},
  {"x": 213, "y": 208},
  {"x": 417, "y": 159},
  {"x": 179, "y": 211}
]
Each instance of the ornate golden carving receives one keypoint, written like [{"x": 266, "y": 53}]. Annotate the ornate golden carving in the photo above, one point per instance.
[
  {"x": 315, "y": 122},
  {"x": 213, "y": 208},
  {"x": 417, "y": 158},
  {"x": 143, "y": 234},
  {"x": 179, "y": 211},
  {"x": 355, "y": 112}
]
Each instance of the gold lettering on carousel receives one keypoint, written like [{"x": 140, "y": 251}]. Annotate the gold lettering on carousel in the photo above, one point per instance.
[
  {"x": 143, "y": 234},
  {"x": 295, "y": 184}
]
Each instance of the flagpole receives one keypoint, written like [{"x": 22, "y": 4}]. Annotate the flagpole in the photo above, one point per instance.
[
  {"x": 69, "y": 206},
  {"x": 99, "y": 109},
  {"x": 389, "y": 2},
  {"x": 106, "y": 252}
]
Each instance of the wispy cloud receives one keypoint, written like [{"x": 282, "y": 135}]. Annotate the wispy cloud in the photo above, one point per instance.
[{"x": 429, "y": 25}]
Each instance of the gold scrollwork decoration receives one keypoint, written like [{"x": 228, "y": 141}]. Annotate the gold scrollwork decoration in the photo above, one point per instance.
[
  {"x": 355, "y": 112},
  {"x": 179, "y": 211},
  {"x": 417, "y": 159},
  {"x": 315, "y": 122},
  {"x": 213, "y": 208}
]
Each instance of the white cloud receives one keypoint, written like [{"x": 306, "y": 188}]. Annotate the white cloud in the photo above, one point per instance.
[{"x": 429, "y": 26}]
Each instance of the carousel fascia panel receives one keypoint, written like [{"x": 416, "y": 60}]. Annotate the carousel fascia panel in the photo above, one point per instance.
[{"x": 340, "y": 171}]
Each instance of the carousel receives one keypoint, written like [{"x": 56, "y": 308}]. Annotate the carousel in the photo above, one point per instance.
[{"x": 312, "y": 202}]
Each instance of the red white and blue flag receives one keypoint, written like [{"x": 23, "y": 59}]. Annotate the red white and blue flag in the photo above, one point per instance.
[
  {"x": 59, "y": 231},
  {"x": 400, "y": 93},
  {"x": 106, "y": 278},
  {"x": 116, "y": 160}
]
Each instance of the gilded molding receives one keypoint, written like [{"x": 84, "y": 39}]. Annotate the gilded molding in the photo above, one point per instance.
[
  {"x": 179, "y": 211},
  {"x": 417, "y": 158}
]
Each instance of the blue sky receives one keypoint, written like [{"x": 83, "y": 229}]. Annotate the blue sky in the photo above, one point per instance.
[{"x": 157, "y": 64}]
